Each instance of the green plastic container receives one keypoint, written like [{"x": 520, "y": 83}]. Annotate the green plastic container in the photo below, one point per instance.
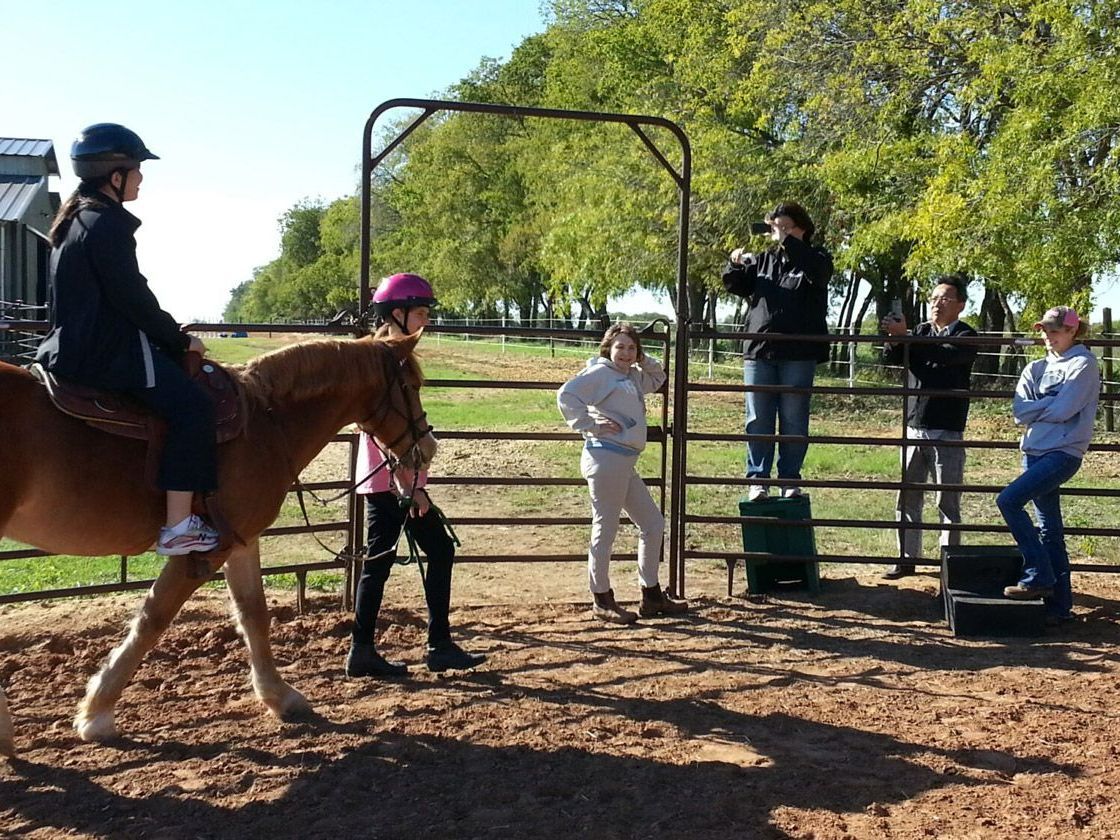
[{"x": 779, "y": 538}]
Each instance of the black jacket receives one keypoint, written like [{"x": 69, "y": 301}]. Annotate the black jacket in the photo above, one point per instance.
[
  {"x": 937, "y": 367},
  {"x": 105, "y": 318},
  {"x": 787, "y": 290}
]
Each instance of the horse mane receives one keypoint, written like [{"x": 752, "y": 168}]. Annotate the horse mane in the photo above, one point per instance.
[{"x": 312, "y": 369}]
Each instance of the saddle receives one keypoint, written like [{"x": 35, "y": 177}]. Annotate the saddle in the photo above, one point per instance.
[{"x": 117, "y": 414}]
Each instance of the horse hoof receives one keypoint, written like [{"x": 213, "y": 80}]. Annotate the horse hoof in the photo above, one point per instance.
[
  {"x": 98, "y": 728},
  {"x": 293, "y": 706}
]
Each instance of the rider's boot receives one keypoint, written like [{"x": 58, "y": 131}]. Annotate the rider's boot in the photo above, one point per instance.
[
  {"x": 364, "y": 661},
  {"x": 656, "y": 601}
]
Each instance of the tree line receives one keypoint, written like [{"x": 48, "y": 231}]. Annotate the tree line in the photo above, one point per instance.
[{"x": 924, "y": 137}]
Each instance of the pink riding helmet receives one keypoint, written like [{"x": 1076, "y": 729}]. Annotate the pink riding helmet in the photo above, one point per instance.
[{"x": 402, "y": 291}]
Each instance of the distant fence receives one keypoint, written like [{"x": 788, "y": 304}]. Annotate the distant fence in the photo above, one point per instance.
[{"x": 21, "y": 326}]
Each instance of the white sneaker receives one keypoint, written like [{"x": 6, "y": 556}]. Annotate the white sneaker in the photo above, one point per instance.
[
  {"x": 190, "y": 535},
  {"x": 757, "y": 492},
  {"x": 791, "y": 493}
]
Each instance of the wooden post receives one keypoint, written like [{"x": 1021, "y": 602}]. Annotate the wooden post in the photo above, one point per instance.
[
  {"x": 853, "y": 350},
  {"x": 301, "y": 593}
]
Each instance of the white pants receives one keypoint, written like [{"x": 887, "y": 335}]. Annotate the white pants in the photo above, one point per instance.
[{"x": 615, "y": 486}]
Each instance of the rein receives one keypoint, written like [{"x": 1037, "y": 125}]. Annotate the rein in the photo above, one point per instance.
[{"x": 415, "y": 426}]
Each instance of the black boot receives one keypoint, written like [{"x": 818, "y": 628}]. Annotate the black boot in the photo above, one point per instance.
[
  {"x": 897, "y": 571},
  {"x": 656, "y": 601},
  {"x": 364, "y": 661},
  {"x": 448, "y": 656}
]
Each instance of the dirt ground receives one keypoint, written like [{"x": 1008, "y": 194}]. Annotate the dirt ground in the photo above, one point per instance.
[{"x": 849, "y": 714}]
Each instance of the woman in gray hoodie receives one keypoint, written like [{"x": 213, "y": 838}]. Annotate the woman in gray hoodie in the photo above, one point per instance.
[
  {"x": 1055, "y": 402},
  {"x": 605, "y": 403}
]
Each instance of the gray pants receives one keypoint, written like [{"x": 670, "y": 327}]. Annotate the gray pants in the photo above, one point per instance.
[
  {"x": 615, "y": 486},
  {"x": 946, "y": 465}
]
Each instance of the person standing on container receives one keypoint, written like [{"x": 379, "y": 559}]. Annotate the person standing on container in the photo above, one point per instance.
[
  {"x": 1056, "y": 403},
  {"x": 786, "y": 289},
  {"x": 932, "y": 421}
]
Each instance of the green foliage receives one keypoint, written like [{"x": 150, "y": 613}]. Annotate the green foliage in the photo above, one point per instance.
[{"x": 924, "y": 138}]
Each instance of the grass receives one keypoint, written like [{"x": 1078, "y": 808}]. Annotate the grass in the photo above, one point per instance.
[{"x": 494, "y": 409}]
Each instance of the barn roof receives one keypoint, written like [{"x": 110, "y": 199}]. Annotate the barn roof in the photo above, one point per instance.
[
  {"x": 27, "y": 147},
  {"x": 16, "y": 192}
]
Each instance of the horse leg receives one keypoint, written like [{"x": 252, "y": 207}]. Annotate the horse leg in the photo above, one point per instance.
[
  {"x": 7, "y": 736},
  {"x": 95, "y": 719},
  {"x": 243, "y": 576}
]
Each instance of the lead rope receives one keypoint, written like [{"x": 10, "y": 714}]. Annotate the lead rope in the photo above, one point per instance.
[{"x": 413, "y": 551}]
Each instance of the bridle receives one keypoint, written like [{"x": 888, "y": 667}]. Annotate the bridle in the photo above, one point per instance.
[{"x": 416, "y": 427}]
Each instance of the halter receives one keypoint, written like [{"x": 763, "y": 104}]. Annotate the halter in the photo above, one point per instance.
[{"x": 415, "y": 425}]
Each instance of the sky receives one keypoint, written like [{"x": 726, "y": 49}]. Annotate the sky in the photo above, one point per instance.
[{"x": 252, "y": 107}]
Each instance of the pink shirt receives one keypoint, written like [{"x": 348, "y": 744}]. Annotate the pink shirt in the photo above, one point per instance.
[{"x": 370, "y": 458}]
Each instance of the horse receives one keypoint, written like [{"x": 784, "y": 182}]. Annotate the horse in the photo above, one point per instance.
[{"x": 67, "y": 488}]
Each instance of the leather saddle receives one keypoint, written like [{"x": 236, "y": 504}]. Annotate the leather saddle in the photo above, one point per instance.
[{"x": 117, "y": 414}]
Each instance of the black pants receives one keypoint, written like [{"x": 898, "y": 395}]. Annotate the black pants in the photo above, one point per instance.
[
  {"x": 190, "y": 458},
  {"x": 384, "y": 521}
]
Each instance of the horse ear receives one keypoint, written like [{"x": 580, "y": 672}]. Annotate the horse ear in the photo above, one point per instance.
[{"x": 403, "y": 347}]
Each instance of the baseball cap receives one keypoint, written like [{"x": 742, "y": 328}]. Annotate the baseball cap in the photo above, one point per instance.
[{"x": 1058, "y": 316}]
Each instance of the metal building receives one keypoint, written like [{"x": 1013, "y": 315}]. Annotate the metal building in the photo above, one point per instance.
[{"x": 26, "y": 208}]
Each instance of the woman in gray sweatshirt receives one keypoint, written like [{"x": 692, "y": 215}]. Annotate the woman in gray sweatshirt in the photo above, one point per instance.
[
  {"x": 1055, "y": 402},
  {"x": 605, "y": 402}
]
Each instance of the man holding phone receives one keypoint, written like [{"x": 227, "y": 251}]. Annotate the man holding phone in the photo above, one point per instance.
[
  {"x": 934, "y": 423},
  {"x": 786, "y": 289}
]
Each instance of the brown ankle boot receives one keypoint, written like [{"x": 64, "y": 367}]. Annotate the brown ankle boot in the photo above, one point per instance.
[
  {"x": 607, "y": 609},
  {"x": 655, "y": 601}
]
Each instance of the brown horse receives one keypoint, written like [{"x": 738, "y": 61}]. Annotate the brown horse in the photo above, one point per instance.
[{"x": 69, "y": 489}]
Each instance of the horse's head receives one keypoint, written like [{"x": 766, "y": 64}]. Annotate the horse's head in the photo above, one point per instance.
[{"x": 400, "y": 420}]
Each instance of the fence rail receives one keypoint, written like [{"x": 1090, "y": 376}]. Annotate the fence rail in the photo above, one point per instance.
[{"x": 694, "y": 539}]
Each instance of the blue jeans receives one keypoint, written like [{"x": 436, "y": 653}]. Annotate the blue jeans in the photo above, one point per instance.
[
  {"x": 1045, "y": 560},
  {"x": 789, "y": 410}
]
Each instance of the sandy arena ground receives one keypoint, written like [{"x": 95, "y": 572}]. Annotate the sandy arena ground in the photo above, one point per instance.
[{"x": 850, "y": 714}]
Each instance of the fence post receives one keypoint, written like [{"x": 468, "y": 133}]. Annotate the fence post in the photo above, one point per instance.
[
  {"x": 1109, "y": 418},
  {"x": 852, "y": 353},
  {"x": 503, "y": 333}
]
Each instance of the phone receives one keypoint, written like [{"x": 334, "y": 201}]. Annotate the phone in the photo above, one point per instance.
[{"x": 760, "y": 228}]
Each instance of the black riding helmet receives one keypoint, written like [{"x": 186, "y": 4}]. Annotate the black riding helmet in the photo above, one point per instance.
[{"x": 104, "y": 148}]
